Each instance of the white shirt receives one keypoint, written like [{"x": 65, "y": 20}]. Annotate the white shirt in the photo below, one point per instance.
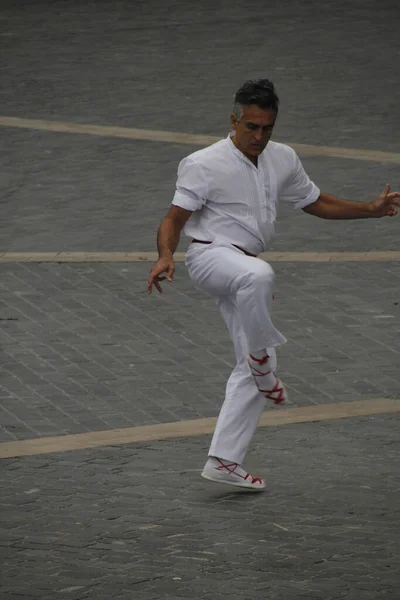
[{"x": 233, "y": 200}]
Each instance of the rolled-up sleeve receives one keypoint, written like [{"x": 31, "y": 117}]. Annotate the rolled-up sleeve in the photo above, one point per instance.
[
  {"x": 191, "y": 186},
  {"x": 299, "y": 191}
]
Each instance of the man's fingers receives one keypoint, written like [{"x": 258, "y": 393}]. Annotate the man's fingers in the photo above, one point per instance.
[
  {"x": 155, "y": 274},
  {"x": 153, "y": 280},
  {"x": 158, "y": 286},
  {"x": 386, "y": 191},
  {"x": 392, "y": 201}
]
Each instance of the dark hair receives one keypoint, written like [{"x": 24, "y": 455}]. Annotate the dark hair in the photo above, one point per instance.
[{"x": 260, "y": 92}]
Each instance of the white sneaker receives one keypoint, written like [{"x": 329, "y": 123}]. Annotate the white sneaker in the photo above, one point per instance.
[
  {"x": 267, "y": 382},
  {"x": 224, "y": 471}
]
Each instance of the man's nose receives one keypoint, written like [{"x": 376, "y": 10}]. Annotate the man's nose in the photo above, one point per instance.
[{"x": 258, "y": 135}]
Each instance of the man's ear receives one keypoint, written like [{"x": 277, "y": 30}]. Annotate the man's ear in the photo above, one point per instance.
[{"x": 233, "y": 121}]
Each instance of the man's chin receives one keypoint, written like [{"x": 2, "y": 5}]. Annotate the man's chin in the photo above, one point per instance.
[{"x": 256, "y": 150}]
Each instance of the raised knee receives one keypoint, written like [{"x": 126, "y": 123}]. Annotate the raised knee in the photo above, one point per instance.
[{"x": 261, "y": 273}]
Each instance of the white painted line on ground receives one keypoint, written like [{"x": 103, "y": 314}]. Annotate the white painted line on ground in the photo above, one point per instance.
[
  {"x": 130, "y": 435},
  {"x": 108, "y": 257},
  {"x": 193, "y": 139}
]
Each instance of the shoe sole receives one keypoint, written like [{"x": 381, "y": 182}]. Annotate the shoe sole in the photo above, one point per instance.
[{"x": 240, "y": 485}]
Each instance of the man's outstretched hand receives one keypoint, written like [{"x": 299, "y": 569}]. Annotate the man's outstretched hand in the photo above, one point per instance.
[
  {"x": 163, "y": 265},
  {"x": 387, "y": 204}
]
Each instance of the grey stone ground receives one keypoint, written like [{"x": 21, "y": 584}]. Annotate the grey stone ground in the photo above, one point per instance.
[
  {"x": 138, "y": 523},
  {"x": 83, "y": 348},
  {"x": 175, "y": 65}
]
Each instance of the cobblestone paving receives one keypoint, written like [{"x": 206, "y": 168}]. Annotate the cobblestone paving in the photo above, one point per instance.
[
  {"x": 85, "y": 348},
  {"x": 137, "y": 522},
  {"x": 176, "y": 65}
]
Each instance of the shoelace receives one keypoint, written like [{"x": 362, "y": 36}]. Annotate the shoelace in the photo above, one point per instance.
[
  {"x": 232, "y": 471},
  {"x": 277, "y": 389},
  {"x": 259, "y": 361}
]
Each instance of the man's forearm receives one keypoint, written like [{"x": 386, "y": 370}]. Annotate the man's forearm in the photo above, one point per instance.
[
  {"x": 168, "y": 237},
  {"x": 331, "y": 207}
]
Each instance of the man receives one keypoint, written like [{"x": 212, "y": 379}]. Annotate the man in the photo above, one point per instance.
[{"x": 225, "y": 200}]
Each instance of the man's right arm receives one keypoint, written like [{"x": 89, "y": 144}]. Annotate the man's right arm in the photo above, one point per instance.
[
  {"x": 168, "y": 237},
  {"x": 170, "y": 229}
]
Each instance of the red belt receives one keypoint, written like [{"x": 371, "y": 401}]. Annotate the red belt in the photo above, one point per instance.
[{"x": 238, "y": 247}]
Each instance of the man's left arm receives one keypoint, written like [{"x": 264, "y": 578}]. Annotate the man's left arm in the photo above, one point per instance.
[{"x": 331, "y": 207}]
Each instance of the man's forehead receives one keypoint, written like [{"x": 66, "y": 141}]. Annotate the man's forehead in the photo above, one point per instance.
[{"x": 255, "y": 114}]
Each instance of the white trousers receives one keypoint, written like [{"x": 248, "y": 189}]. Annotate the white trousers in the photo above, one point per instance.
[{"x": 242, "y": 287}]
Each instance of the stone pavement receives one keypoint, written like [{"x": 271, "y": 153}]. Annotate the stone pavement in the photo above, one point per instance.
[
  {"x": 83, "y": 348},
  {"x": 175, "y": 65},
  {"x": 138, "y": 523}
]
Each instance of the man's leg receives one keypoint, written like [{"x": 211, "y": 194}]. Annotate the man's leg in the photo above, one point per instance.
[
  {"x": 239, "y": 415},
  {"x": 243, "y": 403},
  {"x": 243, "y": 287}
]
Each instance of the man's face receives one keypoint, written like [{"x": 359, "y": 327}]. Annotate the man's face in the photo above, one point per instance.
[{"x": 253, "y": 131}]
